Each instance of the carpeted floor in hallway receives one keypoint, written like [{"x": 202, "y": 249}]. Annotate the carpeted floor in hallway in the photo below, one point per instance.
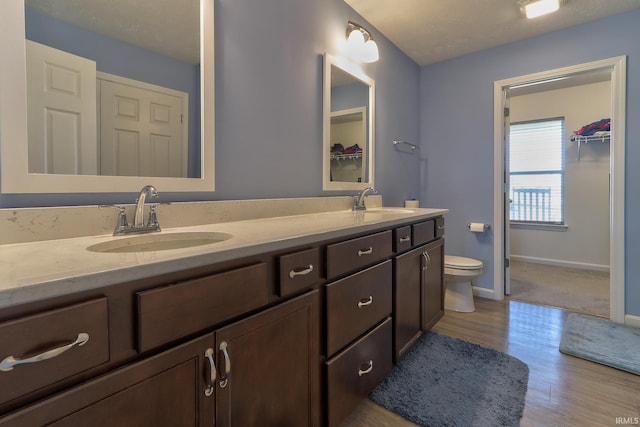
[{"x": 582, "y": 291}]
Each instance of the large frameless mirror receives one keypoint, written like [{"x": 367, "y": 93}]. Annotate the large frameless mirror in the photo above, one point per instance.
[
  {"x": 107, "y": 95},
  {"x": 348, "y": 143}
]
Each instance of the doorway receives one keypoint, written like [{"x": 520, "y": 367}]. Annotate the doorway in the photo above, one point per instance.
[{"x": 616, "y": 69}]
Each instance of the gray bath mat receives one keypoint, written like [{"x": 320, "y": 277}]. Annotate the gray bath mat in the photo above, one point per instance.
[
  {"x": 602, "y": 341},
  {"x": 445, "y": 381}
]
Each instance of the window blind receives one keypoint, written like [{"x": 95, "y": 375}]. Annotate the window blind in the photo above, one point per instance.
[{"x": 536, "y": 171}]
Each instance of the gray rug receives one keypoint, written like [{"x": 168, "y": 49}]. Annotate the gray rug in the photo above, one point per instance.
[
  {"x": 602, "y": 341},
  {"x": 445, "y": 381}
]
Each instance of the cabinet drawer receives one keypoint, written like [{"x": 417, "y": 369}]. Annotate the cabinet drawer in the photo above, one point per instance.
[
  {"x": 356, "y": 303},
  {"x": 355, "y": 372},
  {"x": 402, "y": 239},
  {"x": 40, "y": 334},
  {"x": 351, "y": 255},
  {"x": 171, "y": 312},
  {"x": 299, "y": 271},
  {"x": 423, "y": 232}
]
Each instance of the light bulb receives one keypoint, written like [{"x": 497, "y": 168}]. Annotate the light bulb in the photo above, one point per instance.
[
  {"x": 541, "y": 7},
  {"x": 370, "y": 52},
  {"x": 355, "y": 40}
]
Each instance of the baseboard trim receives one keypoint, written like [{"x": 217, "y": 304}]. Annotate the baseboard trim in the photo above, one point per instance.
[
  {"x": 630, "y": 320},
  {"x": 485, "y": 293},
  {"x": 561, "y": 263}
]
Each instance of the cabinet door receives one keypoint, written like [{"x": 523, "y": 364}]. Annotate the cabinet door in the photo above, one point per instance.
[
  {"x": 407, "y": 300},
  {"x": 169, "y": 389},
  {"x": 432, "y": 284},
  {"x": 268, "y": 367}
]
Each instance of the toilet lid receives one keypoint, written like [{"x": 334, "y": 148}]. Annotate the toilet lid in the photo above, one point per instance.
[{"x": 461, "y": 263}]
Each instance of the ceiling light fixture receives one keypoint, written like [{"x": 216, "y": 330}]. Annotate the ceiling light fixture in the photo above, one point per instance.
[
  {"x": 360, "y": 43},
  {"x": 541, "y": 7}
]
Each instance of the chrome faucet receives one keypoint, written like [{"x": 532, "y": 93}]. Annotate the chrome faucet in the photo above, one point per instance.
[
  {"x": 138, "y": 218},
  {"x": 358, "y": 201},
  {"x": 139, "y": 226}
]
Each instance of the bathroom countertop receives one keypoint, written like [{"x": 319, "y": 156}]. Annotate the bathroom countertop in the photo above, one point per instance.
[{"x": 38, "y": 270}]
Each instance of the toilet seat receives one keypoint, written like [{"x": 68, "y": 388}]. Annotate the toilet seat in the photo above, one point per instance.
[
  {"x": 461, "y": 263},
  {"x": 463, "y": 266}
]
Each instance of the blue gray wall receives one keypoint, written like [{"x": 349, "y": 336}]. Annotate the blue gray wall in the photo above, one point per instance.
[
  {"x": 269, "y": 106},
  {"x": 456, "y": 130}
]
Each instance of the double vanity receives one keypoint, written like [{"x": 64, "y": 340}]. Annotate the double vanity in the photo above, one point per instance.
[{"x": 284, "y": 320}]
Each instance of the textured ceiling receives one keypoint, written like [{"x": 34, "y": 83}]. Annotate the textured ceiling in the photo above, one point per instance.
[
  {"x": 170, "y": 27},
  {"x": 431, "y": 31}
]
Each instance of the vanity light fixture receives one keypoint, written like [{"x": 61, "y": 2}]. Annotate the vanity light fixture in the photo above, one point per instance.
[
  {"x": 540, "y": 7},
  {"x": 360, "y": 43}
]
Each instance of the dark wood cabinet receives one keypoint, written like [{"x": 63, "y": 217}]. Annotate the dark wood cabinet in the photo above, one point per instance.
[
  {"x": 356, "y": 303},
  {"x": 294, "y": 337},
  {"x": 354, "y": 372},
  {"x": 47, "y": 347},
  {"x": 432, "y": 284},
  {"x": 418, "y": 287},
  {"x": 163, "y": 390},
  {"x": 358, "y": 323},
  {"x": 172, "y": 312},
  {"x": 268, "y": 367},
  {"x": 353, "y": 254},
  {"x": 407, "y": 306},
  {"x": 262, "y": 370}
]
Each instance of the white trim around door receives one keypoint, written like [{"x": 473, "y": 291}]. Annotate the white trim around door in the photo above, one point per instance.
[{"x": 618, "y": 67}]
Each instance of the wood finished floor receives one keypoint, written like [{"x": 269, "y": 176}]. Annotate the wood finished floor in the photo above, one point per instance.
[{"x": 563, "y": 390}]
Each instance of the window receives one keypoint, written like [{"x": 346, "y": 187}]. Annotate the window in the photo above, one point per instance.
[{"x": 536, "y": 171}]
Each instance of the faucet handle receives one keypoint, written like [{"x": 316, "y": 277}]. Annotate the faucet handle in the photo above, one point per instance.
[
  {"x": 153, "y": 218},
  {"x": 122, "y": 218},
  {"x": 122, "y": 223}
]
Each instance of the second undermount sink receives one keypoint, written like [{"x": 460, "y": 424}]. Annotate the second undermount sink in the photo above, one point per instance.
[
  {"x": 159, "y": 242},
  {"x": 390, "y": 210}
]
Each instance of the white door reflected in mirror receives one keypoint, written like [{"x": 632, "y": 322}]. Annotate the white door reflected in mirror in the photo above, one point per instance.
[{"x": 51, "y": 145}]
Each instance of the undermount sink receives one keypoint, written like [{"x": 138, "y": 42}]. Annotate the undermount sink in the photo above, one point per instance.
[
  {"x": 159, "y": 242},
  {"x": 390, "y": 210}
]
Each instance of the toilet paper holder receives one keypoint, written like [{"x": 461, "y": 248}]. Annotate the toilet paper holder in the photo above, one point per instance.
[{"x": 484, "y": 226}]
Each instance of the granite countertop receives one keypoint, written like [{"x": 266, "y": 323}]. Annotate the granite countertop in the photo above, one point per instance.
[{"x": 43, "y": 269}]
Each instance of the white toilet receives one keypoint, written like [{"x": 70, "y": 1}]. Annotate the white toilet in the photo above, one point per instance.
[{"x": 458, "y": 274}]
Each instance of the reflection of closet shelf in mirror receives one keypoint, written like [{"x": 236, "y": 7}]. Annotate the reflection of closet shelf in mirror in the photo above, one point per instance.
[
  {"x": 585, "y": 139},
  {"x": 345, "y": 156}
]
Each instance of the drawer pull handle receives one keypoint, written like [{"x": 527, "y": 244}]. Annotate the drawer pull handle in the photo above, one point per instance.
[
  {"x": 367, "y": 251},
  {"x": 224, "y": 380},
  {"x": 212, "y": 375},
  {"x": 364, "y": 303},
  {"x": 8, "y": 363},
  {"x": 367, "y": 370},
  {"x": 405, "y": 239},
  {"x": 441, "y": 227},
  {"x": 301, "y": 272}
]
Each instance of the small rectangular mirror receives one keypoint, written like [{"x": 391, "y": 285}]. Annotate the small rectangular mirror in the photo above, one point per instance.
[{"x": 348, "y": 143}]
